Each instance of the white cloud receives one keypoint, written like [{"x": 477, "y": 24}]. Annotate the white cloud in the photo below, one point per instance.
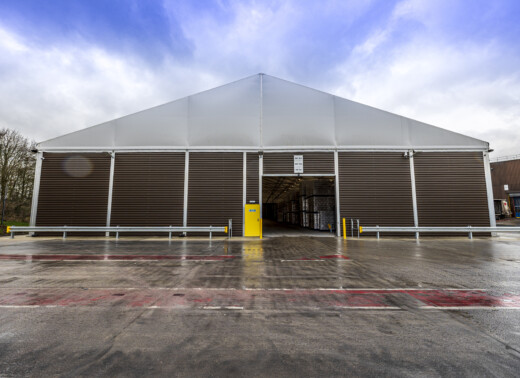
[
  {"x": 417, "y": 71},
  {"x": 462, "y": 86},
  {"x": 47, "y": 92}
]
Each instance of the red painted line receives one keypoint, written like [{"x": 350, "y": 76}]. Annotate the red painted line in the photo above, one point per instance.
[
  {"x": 114, "y": 257},
  {"x": 470, "y": 298},
  {"x": 334, "y": 257},
  {"x": 252, "y": 299}
]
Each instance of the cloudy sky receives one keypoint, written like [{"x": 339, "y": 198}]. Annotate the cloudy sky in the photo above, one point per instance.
[{"x": 69, "y": 64}]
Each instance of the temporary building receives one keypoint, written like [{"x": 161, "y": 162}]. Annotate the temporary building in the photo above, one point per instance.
[{"x": 200, "y": 160}]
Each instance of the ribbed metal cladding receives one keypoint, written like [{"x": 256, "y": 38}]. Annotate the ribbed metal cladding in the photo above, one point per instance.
[
  {"x": 313, "y": 162},
  {"x": 74, "y": 189},
  {"x": 148, "y": 189},
  {"x": 451, "y": 189},
  {"x": 505, "y": 173},
  {"x": 215, "y": 189},
  {"x": 252, "y": 192},
  {"x": 375, "y": 187}
]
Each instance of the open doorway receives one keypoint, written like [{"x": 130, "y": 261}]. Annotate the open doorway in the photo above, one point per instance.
[{"x": 298, "y": 206}]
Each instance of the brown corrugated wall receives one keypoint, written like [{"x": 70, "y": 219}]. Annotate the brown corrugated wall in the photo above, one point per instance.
[
  {"x": 148, "y": 189},
  {"x": 375, "y": 187},
  {"x": 451, "y": 189},
  {"x": 252, "y": 192},
  {"x": 505, "y": 173},
  {"x": 313, "y": 162},
  {"x": 215, "y": 189},
  {"x": 73, "y": 189}
]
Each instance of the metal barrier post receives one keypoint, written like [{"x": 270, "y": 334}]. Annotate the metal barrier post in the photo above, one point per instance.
[
  {"x": 210, "y": 227},
  {"x": 344, "y": 229},
  {"x": 470, "y": 232},
  {"x": 230, "y": 225},
  {"x": 358, "y": 228},
  {"x": 117, "y": 233},
  {"x": 170, "y": 234},
  {"x": 65, "y": 233},
  {"x": 351, "y": 227},
  {"x": 377, "y": 232},
  {"x": 12, "y": 234}
]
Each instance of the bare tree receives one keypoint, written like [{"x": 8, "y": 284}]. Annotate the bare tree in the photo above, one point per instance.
[{"x": 16, "y": 174}]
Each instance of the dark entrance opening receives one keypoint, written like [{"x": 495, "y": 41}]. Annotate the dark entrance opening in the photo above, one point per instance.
[{"x": 298, "y": 206}]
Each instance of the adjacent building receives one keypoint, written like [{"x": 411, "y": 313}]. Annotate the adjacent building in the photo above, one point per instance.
[{"x": 505, "y": 173}]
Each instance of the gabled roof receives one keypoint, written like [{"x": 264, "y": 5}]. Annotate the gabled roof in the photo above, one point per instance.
[{"x": 262, "y": 112}]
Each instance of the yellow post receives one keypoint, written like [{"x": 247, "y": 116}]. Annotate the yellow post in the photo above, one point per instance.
[
  {"x": 344, "y": 229},
  {"x": 261, "y": 228}
]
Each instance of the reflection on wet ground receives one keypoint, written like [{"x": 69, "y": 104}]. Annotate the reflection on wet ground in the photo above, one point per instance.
[{"x": 279, "y": 306}]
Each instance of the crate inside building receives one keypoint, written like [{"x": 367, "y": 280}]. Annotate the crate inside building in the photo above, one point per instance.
[{"x": 305, "y": 202}]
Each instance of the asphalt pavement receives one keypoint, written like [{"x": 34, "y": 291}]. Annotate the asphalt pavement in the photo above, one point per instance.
[{"x": 282, "y": 306}]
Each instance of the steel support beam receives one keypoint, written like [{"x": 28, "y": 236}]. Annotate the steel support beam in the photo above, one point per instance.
[
  {"x": 336, "y": 184},
  {"x": 489, "y": 189},
  {"x": 260, "y": 174},
  {"x": 36, "y": 187},
  {"x": 414, "y": 193},
  {"x": 110, "y": 189},
  {"x": 186, "y": 178},
  {"x": 244, "y": 194}
]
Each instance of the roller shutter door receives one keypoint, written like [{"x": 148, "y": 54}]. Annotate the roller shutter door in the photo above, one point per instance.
[
  {"x": 252, "y": 192},
  {"x": 318, "y": 163},
  {"x": 451, "y": 189},
  {"x": 148, "y": 189},
  {"x": 73, "y": 190},
  {"x": 215, "y": 189},
  {"x": 375, "y": 188}
]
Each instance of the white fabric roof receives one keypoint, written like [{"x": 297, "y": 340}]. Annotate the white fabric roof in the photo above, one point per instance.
[{"x": 262, "y": 112}]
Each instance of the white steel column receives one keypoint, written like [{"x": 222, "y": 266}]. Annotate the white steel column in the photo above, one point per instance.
[
  {"x": 260, "y": 174},
  {"x": 414, "y": 193},
  {"x": 110, "y": 189},
  {"x": 336, "y": 183},
  {"x": 186, "y": 177},
  {"x": 489, "y": 189},
  {"x": 244, "y": 192},
  {"x": 36, "y": 188}
]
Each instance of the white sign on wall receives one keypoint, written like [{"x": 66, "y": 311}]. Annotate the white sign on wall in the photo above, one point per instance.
[
  {"x": 506, "y": 187},
  {"x": 298, "y": 163}
]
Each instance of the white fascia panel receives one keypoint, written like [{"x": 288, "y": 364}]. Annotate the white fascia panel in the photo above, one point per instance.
[
  {"x": 425, "y": 134},
  {"x": 362, "y": 125},
  {"x": 165, "y": 125},
  {"x": 100, "y": 136},
  {"x": 227, "y": 115},
  {"x": 294, "y": 115}
]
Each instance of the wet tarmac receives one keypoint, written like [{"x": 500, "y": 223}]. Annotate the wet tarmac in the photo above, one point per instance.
[{"x": 286, "y": 306}]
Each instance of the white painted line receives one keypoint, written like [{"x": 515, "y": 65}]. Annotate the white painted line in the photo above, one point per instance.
[
  {"x": 27, "y": 306},
  {"x": 356, "y": 289},
  {"x": 462, "y": 308},
  {"x": 320, "y": 260},
  {"x": 368, "y": 307}
]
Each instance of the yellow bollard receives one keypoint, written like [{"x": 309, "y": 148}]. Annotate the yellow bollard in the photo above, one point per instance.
[
  {"x": 261, "y": 228},
  {"x": 225, "y": 229},
  {"x": 8, "y": 230},
  {"x": 344, "y": 230}
]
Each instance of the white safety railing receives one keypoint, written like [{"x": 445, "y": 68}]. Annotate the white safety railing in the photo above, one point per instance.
[
  {"x": 117, "y": 229},
  {"x": 417, "y": 230},
  {"x": 504, "y": 158}
]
